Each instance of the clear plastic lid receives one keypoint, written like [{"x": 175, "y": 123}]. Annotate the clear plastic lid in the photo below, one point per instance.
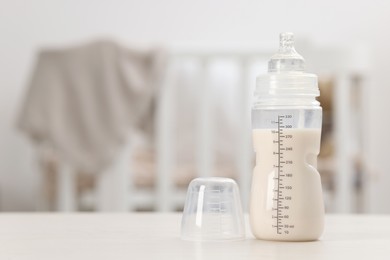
[
  {"x": 286, "y": 74},
  {"x": 213, "y": 211}
]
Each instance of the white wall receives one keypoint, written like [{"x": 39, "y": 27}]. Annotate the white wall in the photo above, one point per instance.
[{"x": 25, "y": 26}]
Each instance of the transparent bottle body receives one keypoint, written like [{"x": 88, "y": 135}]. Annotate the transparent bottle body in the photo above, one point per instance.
[{"x": 286, "y": 195}]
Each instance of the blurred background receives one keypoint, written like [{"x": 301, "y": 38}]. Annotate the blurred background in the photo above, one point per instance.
[{"x": 117, "y": 105}]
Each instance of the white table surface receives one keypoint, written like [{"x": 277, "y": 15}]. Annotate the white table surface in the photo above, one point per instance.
[{"x": 156, "y": 236}]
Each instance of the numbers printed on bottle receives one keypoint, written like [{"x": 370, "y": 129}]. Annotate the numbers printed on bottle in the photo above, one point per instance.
[{"x": 283, "y": 165}]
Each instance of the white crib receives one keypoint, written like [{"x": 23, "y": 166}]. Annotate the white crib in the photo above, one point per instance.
[{"x": 115, "y": 190}]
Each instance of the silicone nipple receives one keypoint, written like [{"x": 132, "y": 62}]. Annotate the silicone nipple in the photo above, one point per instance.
[{"x": 287, "y": 58}]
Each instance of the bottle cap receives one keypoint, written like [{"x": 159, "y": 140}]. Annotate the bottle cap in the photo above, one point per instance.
[{"x": 212, "y": 211}]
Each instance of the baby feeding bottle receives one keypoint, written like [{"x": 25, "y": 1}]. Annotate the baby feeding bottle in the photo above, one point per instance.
[{"x": 286, "y": 197}]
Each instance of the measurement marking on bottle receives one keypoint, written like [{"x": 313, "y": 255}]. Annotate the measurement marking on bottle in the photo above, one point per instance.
[
  {"x": 282, "y": 164},
  {"x": 278, "y": 206}
]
